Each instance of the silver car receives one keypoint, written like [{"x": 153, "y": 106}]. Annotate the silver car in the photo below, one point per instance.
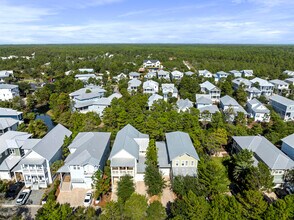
[{"x": 23, "y": 197}]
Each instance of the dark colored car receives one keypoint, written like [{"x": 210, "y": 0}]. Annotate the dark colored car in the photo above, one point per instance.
[{"x": 13, "y": 190}]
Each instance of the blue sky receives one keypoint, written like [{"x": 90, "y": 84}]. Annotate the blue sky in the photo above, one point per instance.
[{"x": 152, "y": 21}]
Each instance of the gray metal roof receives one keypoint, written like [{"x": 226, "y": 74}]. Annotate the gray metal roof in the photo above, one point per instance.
[
  {"x": 134, "y": 82},
  {"x": 289, "y": 140},
  {"x": 179, "y": 143},
  {"x": 253, "y": 90},
  {"x": 13, "y": 139},
  {"x": 152, "y": 61},
  {"x": 261, "y": 82},
  {"x": 211, "y": 108},
  {"x": 33, "y": 161},
  {"x": 7, "y": 122},
  {"x": 189, "y": 73},
  {"x": 163, "y": 160},
  {"x": 208, "y": 85},
  {"x": 279, "y": 82},
  {"x": 90, "y": 148},
  {"x": 8, "y": 86},
  {"x": 141, "y": 164},
  {"x": 125, "y": 140},
  {"x": 30, "y": 143},
  {"x": 184, "y": 104},
  {"x": 134, "y": 74},
  {"x": 9, "y": 163},
  {"x": 203, "y": 99},
  {"x": 258, "y": 107},
  {"x": 228, "y": 100},
  {"x": 240, "y": 81},
  {"x": 9, "y": 112},
  {"x": 52, "y": 142},
  {"x": 274, "y": 158},
  {"x": 282, "y": 100},
  {"x": 150, "y": 83},
  {"x": 153, "y": 98},
  {"x": 122, "y": 162}
]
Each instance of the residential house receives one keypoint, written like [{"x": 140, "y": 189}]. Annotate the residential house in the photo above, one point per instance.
[
  {"x": 290, "y": 81},
  {"x": 235, "y": 73},
  {"x": 169, "y": 90},
  {"x": 205, "y": 106},
  {"x": 67, "y": 73},
  {"x": 208, "y": 88},
  {"x": 153, "y": 98},
  {"x": 280, "y": 86},
  {"x": 11, "y": 152},
  {"x": 150, "y": 87},
  {"x": 8, "y": 124},
  {"x": 263, "y": 85},
  {"x": 177, "y": 75},
  {"x": 288, "y": 145},
  {"x": 5, "y": 74},
  {"x": 283, "y": 106},
  {"x": 35, "y": 166},
  {"x": 289, "y": 73},
  {"x": 127, "y": 155},
  {"x": 205, "y": 73},
  {"x": 85, "y": 77},
  {"x": 155, "y": 64},
  {"x": 231, "y": 107},
  {"x": 8, "y": 91},
  {"x": 220, "y": 75},
  {"x": 86, "y": 70},
  {"x": 241, "y": 81},
  {"x": 89, "y": 152},
  {"x": 189, "y": 73},
  {"x": 161, "y": 74},
  {"x": 11, "y": 113},
  {"x": 258, "y": 111},
  {"x": 264, "y": 151},
  {"x": 120, "y": 77},
  {"x": 247, "y": 73},
  {"x": 184, "y": 105},
  {"x": 150, "y": 75},
  {"x": 177, "y": 155},
  {"x": 253, "y": 92},
  {"x": 133, "y": 85},
  {"x": 134, "y": 75}
]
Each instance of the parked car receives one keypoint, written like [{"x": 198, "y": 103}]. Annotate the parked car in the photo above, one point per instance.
[
  {"x": 23, "y": 197},
  {"x": 13, "y": 190},
  {"x": 88, "y": 199},
  {"x": 97, "y": 200}
]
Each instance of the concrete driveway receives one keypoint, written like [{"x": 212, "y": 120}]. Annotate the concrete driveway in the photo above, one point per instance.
[
  {"x": 75, "y": 197},
  {"x": 140, "y": 188}
]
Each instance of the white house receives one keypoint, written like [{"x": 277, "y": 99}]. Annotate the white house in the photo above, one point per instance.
[
  {"x": 208, "y": 88},
  {"x": 280, "y": 86},
  {"x": 252, "y": 93},
  {"x": 150, "y": 87},
  {"x": 120, "y": 77},
  {"x": 127, "y": 155},
  {"x": 258, "y": 111},
  {"x": 189, "y": 73},
  {"x": 231, "y": 107},
  {"x": 264, "y": 151},
  {"x": 161, "y": 74},
  {"x": 8, "y": 124},
  {"x": 86, "y": 70},
  {"x": 184, "y": 105},
  {"x": 290, "y": 81},
  {"x": 11, "y": 152},
  {"x": 177, "y": 75},
  {"x": 289, "y": 73},
  {"x": 241, "y": 81},
  {"x": 247, "y": 73},
  {"x": 288, "y": 145},
  {"x": 89, "y": 152},
  {"x": 133, "y": 85},
  {"x": 35, "y": 166},
  {"x": 8, "y": 92},
  {"x": 150, "y": 75},
  {"x": 205, "y": 106},
  {"x": 134, "y": 75},
  {"x": 263, "y": 85},
  {"x": 85, "y": 77},
  {"x": 235, "y": 73},
  {"x": 5, "y": 74},
  {"x": 205, "y": 73},
  {"x": 153, "y": 98},
  {"x": 169, "y": 90},
  {"x": 152, "y": 64},
  {"x": 283, "y": 106},
  {"x": 11, "y": 113},
  {"x": 220, "y": 75}
]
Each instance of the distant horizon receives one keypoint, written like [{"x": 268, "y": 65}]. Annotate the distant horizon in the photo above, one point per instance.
[{"x": 265, "y": 22}]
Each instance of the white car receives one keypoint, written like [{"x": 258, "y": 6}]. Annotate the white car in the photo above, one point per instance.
[
  {"x": 88, "y": 199},
  {"x": 23, "y": 197}
]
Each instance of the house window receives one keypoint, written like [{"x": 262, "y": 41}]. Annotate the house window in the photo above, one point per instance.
[
  {"x": 187, "y": 163},
  {"x": 74, "y": 167},
  {"x": 183, "y": 163},
  {"x": 78, "y": 167},
  {"x": 192, "y": 163},
  {"x": 177, "y": 163}
]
